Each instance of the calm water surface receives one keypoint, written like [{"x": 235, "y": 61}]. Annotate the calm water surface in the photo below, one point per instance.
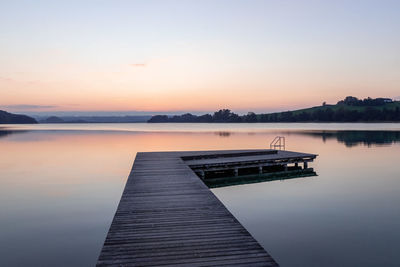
[{"x": 60, "y": 186}]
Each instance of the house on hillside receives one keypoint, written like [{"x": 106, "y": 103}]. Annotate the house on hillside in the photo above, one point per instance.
[{"x": 385, "y": 100}]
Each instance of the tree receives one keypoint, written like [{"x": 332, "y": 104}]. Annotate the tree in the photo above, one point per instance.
[
  {"x": 159, "y": 118},
  {"x": 250, "y": 117},
  {"x": 225, "y": 115}
]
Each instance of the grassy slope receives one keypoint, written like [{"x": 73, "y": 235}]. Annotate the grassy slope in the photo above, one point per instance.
[{"x": 358, "y": 108}]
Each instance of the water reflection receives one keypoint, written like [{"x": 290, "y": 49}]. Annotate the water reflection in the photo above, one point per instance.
[
  {"x": 224, "y": 134},
  {"x": 356, "y": 138},
  {"x": 59, "y": 190},
  {"x": 4, "y": 132},
  {"x": 348, "y": 138}
]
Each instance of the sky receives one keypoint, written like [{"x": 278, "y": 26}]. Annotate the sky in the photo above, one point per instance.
[{"x": 175, "y": 56}]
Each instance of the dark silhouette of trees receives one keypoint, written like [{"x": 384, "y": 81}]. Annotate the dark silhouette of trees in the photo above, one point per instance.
[
  {"x": 250, "y": 117},
  {"x": 351, "y": 109},
  {"x": 159, "y": 118},
  {"x": 225, "y": 115},
  {"x": 204, "y": 118},
  {"x": 354, "y": 101}
]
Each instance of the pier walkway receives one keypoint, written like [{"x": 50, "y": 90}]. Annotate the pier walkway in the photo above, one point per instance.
[{"x": 168, "y": 216}]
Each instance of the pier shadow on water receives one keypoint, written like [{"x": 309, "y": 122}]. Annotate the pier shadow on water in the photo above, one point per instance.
[{"x": 225, "y": 179}]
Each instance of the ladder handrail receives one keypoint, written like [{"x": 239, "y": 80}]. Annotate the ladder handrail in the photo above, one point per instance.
[
  {"x": 273, "y": 141},
  {"x": 279, "y": 141}
]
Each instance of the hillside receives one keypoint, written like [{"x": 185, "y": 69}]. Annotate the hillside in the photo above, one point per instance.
[
  {"x": 388, "y": 106},
  {"x": 343, "y": 111},
  {"x": 9, "y": 118},
  {"x": 350, "y": 109}
]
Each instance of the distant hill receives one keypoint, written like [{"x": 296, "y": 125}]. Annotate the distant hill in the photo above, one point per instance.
[
  {"x": 350, "y": 109},
  {"x": 52, "y": 119},
  {"x": 55, "y": 119},
  {"x": 94, "y": 119},
  {"x": 10, "y": 118}
]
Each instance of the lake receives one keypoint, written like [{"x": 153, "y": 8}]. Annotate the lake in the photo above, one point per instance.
[{"x": 60, "y": 185}]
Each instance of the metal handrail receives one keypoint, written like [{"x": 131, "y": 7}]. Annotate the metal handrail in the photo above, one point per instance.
[{"x": 278, "y": 143}]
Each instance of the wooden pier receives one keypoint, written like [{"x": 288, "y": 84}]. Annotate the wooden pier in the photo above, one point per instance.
[{"x": 167, "y": 216}]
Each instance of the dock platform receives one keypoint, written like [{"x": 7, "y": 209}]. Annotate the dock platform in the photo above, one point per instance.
[{"x": 167, "y": 216}]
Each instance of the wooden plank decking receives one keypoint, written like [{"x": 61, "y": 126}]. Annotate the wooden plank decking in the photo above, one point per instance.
[
  {"x": 251, "y": 160},
  {"x": 167, "y": 216}
]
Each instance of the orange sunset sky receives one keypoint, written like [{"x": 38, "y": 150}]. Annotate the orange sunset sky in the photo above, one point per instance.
[{"x": 195, "y": 55}]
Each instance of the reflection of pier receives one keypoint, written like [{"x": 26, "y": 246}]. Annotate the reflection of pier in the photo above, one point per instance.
[
  {"x": 258, "y": 178},
  {"x": 168, "y": 216}
]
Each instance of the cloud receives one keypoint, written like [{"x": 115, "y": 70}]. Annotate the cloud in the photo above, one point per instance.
[
  {"x": 141, "y": 65},
  {"x": 6, "y": 79},
  {"x": 27, "y": 107}
]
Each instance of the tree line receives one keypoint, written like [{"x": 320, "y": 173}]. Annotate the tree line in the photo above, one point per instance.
[
  {"x": 351, "y": 109},
  {"x": 354, "y": 101},
  {"x": 318, "y": 115}
]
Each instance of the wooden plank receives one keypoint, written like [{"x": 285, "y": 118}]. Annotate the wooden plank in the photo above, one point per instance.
[
  {"x": 168, "y": 216},
  {"x": 244, "y": 158}
]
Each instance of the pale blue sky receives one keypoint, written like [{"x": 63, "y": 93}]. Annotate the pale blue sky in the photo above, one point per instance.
[{"x": 243, "y": 55}]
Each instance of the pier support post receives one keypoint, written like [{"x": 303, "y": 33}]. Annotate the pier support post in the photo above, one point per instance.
[
  {"x": 296, "y": 164},
  {"x": 285, "y": 168},
  {"x": 236, "y": 171},
  {"x": 202, "y": 174},
  {"x": 305, "y": 164},
  {"x": 260, "y": 169}
]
